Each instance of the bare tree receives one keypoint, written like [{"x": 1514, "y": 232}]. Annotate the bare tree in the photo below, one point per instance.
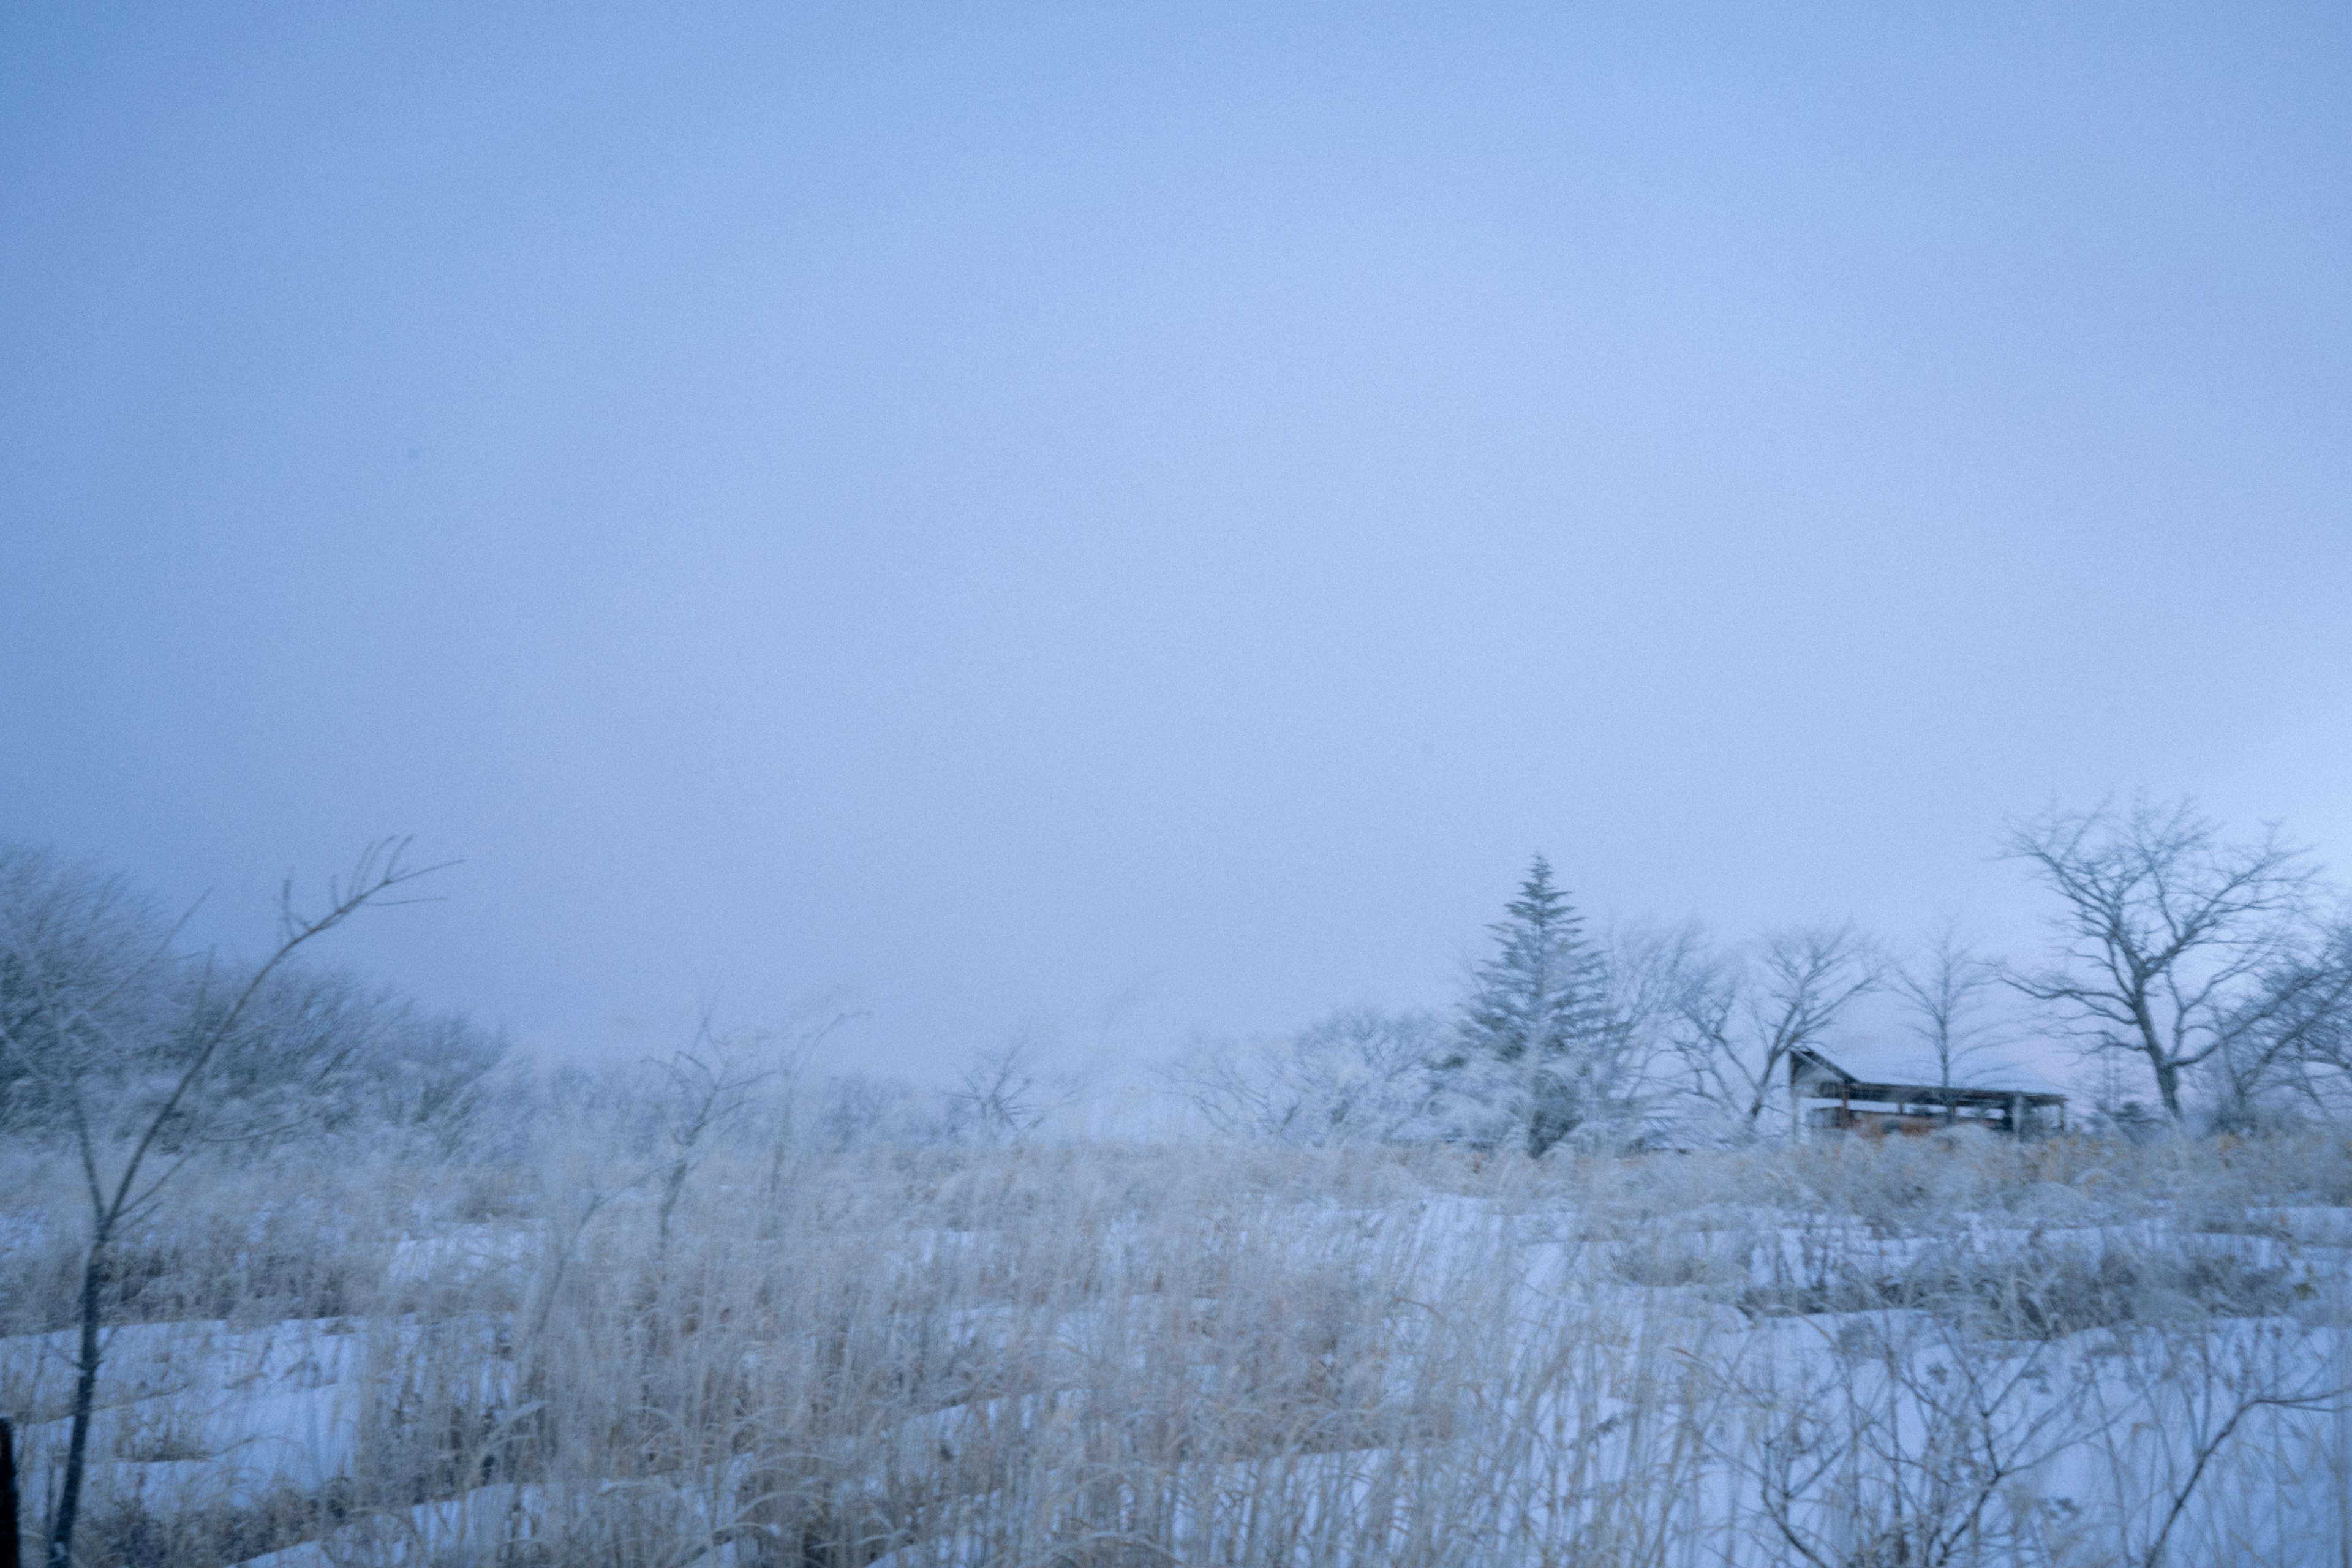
[
  {"x": 710, "y": 1087},
  {"x": 1738, "y": 1020},
  {"x": 144, "y": 1092},
  {"x": 2166, "y": 930},
  {"x": 2292, "y": 1033},
  {"x": 1902, "y": 1441},
  {"x": 1945, "y": 988},
  {"x": 1002, "y": 1095},
  {"x": 2178, "y": 1396},
  {"x": 1649, "y": 972},
  {"x": 1356, "y": 1075},
  {"x": 73, "y": 941},
  {"x": 850, "y": 1110}
]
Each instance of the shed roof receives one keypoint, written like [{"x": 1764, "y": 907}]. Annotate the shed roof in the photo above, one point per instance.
[{"x": 1907, "y": 1062}]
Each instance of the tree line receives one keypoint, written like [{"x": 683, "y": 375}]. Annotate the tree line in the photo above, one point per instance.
[
  {"x": 2206, "y": 975},
  {"x": 2214, "y": 973}
]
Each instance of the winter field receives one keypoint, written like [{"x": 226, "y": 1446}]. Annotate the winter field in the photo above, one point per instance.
[
  {"x": 570, "y": 1346},
  {"x": 293, "y": 1272}
]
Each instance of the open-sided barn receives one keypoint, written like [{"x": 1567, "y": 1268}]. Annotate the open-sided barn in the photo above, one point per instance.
[{"x": 1864, "y": 1090}]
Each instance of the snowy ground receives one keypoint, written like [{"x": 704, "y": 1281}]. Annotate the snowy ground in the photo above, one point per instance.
[{"x": 1927, "y": 1353}]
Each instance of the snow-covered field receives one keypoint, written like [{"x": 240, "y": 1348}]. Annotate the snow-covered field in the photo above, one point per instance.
[{"x": 1921, "y": 1352}]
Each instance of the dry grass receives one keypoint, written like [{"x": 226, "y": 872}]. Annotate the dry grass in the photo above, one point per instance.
[{"x": 1099, "y": 1354}]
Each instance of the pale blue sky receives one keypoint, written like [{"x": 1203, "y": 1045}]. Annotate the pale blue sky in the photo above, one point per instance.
[{"x": 1134, "y": 522}]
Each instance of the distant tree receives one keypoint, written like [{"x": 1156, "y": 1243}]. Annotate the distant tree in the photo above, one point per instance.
[
  {"x": 847, "y": 1111},
  {"x": 708, "y": 1088},
  {"x": 1003, "y": 1094},
  {"x": 1946, "y": 988},
  {"x": 2292, "y": 1034},
  {"x": 1739, "y": 1018},
  {"x": 430, "y": 1072},
  {"x": 398, "y": 1065},
  {"x": 1356, "y": 1075},
  {"x": 1537, "y": 1048},
  {"x": 142, "y": 1074},
  {"x": 1649, "y": 971},
  {"x": 80, "y": 953},
  {"x": 2171, "y": 939}
]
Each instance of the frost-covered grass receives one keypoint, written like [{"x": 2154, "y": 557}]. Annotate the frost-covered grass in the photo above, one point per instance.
[{"x": 1918, "y": 1352}]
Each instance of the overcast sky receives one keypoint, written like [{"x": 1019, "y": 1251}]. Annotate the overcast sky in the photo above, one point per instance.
[{"x": 1131, "y": 523}]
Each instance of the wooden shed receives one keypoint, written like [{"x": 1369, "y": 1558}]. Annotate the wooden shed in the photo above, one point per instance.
[{"x": 1827, "y": 1095}]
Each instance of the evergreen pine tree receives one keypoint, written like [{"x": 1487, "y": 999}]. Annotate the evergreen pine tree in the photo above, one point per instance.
[{"x": 1534, "y": 1025}]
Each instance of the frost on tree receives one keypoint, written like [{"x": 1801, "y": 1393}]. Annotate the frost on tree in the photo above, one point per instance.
[{"x": 1535, "y": 1059}]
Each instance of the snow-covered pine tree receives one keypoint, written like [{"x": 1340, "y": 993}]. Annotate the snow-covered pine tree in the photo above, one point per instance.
[{"x": 1535, "y": 1030}]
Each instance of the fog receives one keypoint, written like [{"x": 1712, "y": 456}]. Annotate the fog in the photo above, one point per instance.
[{"x": 1135, "y": 524}]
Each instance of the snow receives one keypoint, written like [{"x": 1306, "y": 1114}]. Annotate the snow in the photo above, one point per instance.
[{"x": 1783, "y": 1312}]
